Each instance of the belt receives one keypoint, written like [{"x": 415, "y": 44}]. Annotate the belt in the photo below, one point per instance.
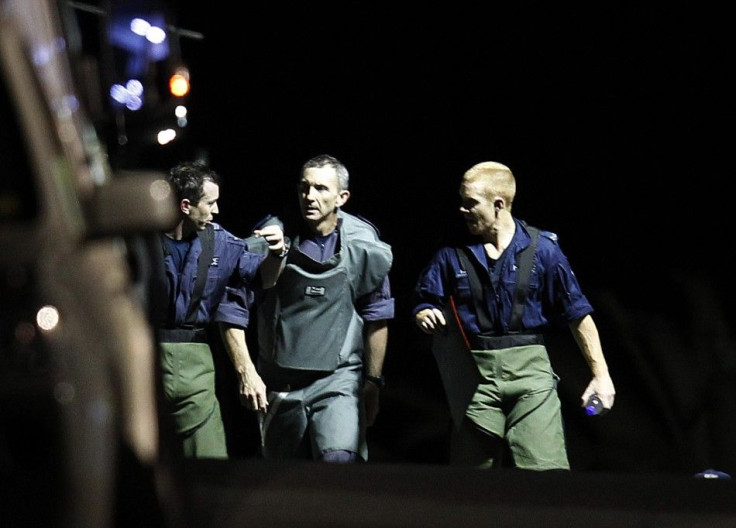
[
  {"x": 181, "y": 335},
  {"x": 481, "y": 342}
]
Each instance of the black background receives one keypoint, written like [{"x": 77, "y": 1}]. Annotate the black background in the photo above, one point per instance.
[{"x": 617, "y": 121}]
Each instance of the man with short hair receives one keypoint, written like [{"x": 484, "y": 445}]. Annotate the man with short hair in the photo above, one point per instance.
[
  {"x": 498, "y": 293},
  {"x": 208, "y": 272},
  {"x": 323, "y": 325}
]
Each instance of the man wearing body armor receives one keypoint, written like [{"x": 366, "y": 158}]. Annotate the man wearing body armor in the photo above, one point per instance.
[{"x": 322, "y": 325}]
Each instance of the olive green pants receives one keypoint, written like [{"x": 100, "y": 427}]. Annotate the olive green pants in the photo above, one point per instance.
[
  {"x": 188, "y": 376},
  {"x": 516, "y": 403}
]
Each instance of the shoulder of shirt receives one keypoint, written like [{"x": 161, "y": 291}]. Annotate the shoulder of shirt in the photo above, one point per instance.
[
  {"x": 549, "y": 235},
  {"x": 445, "y": 251},
  {"x": 229, "y": 237},
  {"x": 546, "y": 234}
]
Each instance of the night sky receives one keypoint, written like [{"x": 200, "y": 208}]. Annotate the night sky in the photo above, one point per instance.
[{"x": 617, "y": 121}]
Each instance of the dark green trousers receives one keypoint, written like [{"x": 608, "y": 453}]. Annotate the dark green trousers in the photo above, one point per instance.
[
  {"x": 188, "y": 375},
  {"x": 516, "y": 403}
]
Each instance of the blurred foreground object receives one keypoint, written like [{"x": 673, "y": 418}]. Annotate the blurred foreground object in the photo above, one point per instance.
[{"x": 77, "y": 377}]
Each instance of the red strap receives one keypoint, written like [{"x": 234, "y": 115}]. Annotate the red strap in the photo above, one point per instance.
[{"x": 457, "y": 320}]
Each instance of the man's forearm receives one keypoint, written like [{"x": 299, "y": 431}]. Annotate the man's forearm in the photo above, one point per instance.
[
  {"x": 252, "y": 389},
  {"x": 376, "y": 340},
  {"x": 237, "y": 347},
  {"x": 588, "y": 340}
]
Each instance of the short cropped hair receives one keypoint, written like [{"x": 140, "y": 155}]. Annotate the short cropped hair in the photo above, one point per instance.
[
  {"x": 325, "y": 160},
  {"x": 188, "y": 178},
  {"x": 496, "y": 178}
]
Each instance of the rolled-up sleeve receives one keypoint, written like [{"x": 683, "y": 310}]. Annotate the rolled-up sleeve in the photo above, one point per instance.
[
  {"x": 378, "y": 305},
  {"x": 429, "y": 291},
  {"x": 235, "y": 306},
  {"x": 563, "y": 291}
]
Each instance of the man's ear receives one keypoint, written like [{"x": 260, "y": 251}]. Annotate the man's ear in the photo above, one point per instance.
[
  {"x": 499, "y": 203},
  {"x": 184, "y": 205},
  {"x": 342, "y": 197}
]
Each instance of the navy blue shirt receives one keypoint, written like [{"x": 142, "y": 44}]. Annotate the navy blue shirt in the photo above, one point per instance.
[
  {"x": 554, "y": 292},
  {"x": 226, "y": 297}
]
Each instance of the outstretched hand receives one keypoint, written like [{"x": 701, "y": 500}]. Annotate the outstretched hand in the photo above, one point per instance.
[{"x": 274, "y": 236}]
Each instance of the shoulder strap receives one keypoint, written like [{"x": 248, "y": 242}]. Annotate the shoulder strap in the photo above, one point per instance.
[
  {"x": 526, "y": 261},
  {"x": 476, "y": 288},
  {"x": 207, "y": 239},
  {"x": 164, "y": 247}
]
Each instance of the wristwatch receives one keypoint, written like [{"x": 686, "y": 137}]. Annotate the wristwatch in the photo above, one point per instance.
[{"x": 378, "y": 381}]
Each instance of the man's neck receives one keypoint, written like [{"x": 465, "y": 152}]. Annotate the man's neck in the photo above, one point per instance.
[
  {"x": 325, "y": 226},
  {"x": 181, "y": 231},
  {"x": 500, "y": 237}
]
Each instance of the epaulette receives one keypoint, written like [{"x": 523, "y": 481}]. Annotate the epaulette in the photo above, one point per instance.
[{"x": 550, "y": 235}]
